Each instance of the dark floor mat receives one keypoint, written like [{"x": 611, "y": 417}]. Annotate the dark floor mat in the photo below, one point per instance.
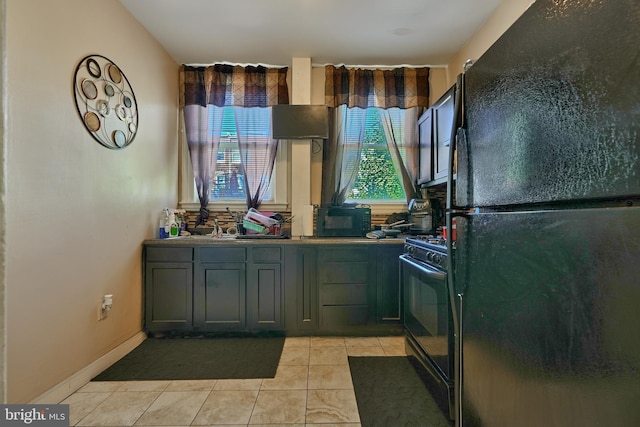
[
  {"x": 390, "y": 392},
  {"x": 198, "y": 358}
]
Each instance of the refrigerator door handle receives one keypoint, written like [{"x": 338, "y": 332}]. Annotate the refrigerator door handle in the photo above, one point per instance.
[
  {"x": 455, "y": 299},
  {"x": 457, "y": 132},
  {"x": 457, "y": 366},
  {"x": 457, "y": 123}
]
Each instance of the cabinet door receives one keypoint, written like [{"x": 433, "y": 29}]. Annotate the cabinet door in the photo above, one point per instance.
[
  {"x": 443, "y": 128},
  {"x": 388, "y": 270},
  {"x": 263, "y": 297},
  {"x": 220, "y": 297},
  {"x": 301, "y": 288},
  {"x": 425, "y": 134},
  {"x": 168, "y": 296}
]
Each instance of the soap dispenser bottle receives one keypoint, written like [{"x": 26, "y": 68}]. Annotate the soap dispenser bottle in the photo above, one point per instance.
[{"x": 174, "y": 229}]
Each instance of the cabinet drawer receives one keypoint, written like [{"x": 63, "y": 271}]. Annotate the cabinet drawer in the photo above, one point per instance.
[
  {"x": 344, "y": 272},
  {"x": 267, "y": 254},
  {"x": 169, "y": 254},
  {"x": 355, "y": 294},
  {"x": 223, "y": 254},
  {"x": 350, "y": 254}
]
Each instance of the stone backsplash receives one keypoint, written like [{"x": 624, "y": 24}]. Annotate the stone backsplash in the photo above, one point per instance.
[
  {"x": 437, "y": 194},
  {"x": 225, "y": 220}
]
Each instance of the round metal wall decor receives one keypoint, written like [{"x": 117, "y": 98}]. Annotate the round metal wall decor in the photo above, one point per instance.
[{"x": 105, "y": 102}]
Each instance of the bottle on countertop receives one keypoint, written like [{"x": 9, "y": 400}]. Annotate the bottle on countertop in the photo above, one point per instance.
[
  {"x": 181, "y": 219},
  {"x": 163, "y": 224},
  {"x": 174, "y": 228}
]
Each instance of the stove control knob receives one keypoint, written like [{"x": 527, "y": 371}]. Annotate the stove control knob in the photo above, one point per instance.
[
  {"x": 430, "y": 256},
  {"x": 438, "y": 259}
]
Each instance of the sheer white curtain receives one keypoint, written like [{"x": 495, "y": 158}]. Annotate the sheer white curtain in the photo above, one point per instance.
[
  {"x": 202, "y": 127},
  {"x": 344, "y": 150},
  {"x": 401, "y": 131},
  {"x": 257, "y": 150}
]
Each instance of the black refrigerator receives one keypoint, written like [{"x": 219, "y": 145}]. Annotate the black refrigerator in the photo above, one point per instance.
[{"x": 545, "y": 272}]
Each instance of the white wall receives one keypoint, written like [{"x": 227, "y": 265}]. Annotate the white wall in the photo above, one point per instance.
[
  {"x": 2, "y": 198},
  {"x": 76, "y": 212},
  {"x": 501, "y": 19}
]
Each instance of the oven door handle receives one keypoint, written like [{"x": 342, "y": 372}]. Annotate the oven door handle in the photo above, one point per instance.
[{"x": 425, "y": 268}]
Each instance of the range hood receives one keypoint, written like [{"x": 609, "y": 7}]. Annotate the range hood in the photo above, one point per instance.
[{"x": 300, "y": 121}]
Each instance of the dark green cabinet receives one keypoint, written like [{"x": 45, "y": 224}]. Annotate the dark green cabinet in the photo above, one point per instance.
[
  {"x": 342, "y": 289},
  {"x": 169, "y": 292},
  {"x": 443, "y": 112},
  {"x": 220, "y": 286},
  {"x": 214, "y": 288},
  {"x": 346, "y": 286},
  {"x": 264, "y": 288},
  {"x": 425, "y": 138},
  {"x": 388, "y": 284},
  {"x": 435, "y": 132},
  {"x": 301, "y": 288},
  {"x": 168, "y": 288},
  {"x": 305, "y": 288},
  {"x": 219, "y": 296}
]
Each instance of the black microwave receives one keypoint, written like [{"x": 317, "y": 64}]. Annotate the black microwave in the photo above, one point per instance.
[{"x": 338, "y": 221}]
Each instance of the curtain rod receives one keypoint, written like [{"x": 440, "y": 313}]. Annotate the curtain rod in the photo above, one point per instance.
[
  {"x": 238, "y": 64},
  {"x": 319, "y": 65},
  {"x": 380, "y": 66}
]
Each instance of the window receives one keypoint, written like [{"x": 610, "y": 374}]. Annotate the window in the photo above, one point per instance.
[
  {"x": 377, "y": 180},
  {"x": 227, "y": 184}
]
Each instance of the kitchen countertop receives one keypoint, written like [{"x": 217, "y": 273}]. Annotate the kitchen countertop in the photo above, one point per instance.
[{"x": 208, "y": 240}]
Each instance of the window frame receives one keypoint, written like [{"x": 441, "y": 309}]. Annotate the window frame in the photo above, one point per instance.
[
  {"x": 381, "y": 206},
  {"x": 188, "y": 196}
]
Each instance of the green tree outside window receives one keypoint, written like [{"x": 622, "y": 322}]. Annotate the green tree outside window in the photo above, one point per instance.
[{"x": 377, "y": 179}]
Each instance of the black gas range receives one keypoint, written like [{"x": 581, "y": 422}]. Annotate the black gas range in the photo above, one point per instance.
[{"x": 427, "y": 313}]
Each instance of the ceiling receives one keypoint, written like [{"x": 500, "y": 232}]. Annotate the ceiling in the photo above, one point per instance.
[{"x": 351, "y": 32}]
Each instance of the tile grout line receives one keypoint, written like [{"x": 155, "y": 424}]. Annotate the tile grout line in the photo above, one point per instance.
[
  {"x": 202, "y": 404},
  {"x": 306, "y": 401},
  {"x": 255, "y": 401},
  {"x": 150, "y": 404}
]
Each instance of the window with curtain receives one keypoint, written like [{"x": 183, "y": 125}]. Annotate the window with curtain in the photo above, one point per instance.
[
  {"x": 376, "y": 178},
  {"x": 227, "y": 121},
  {"x": 371, "y": 155},
  {"x": 228, "y": 184}
]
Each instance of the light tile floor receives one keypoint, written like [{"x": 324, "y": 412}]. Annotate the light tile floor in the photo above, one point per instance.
[{"x": 312, "y": 386}]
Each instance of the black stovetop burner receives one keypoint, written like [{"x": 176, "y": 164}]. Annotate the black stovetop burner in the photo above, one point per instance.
[{"x": 429, "y": 249}]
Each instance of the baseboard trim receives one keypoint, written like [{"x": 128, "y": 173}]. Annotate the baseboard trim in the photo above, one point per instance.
[{"x": 67, "y": 387}]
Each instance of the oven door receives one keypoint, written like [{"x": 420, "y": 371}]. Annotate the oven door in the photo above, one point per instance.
[{"x": 427, "y": 317}]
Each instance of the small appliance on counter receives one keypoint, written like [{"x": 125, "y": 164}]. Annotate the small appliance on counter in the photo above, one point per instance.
[
  {"x": 343, "y": 221},
  {"x": 421, "y": 216}
]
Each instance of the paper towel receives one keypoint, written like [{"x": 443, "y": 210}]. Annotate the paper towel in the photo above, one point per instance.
[{"x": 307, "y": 220}]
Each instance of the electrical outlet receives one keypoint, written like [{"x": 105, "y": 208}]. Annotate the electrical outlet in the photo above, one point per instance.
[
  {"x": 105, "y": 306},
  {"x": 102, "y": 313}
]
